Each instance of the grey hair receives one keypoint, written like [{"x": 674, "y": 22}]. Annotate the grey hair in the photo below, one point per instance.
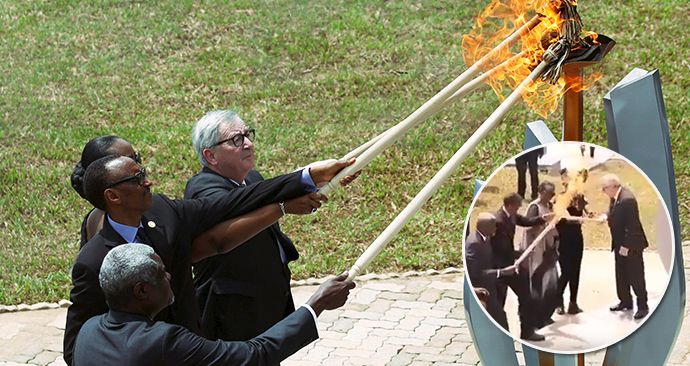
[
  {"x": 610, "y": 180},
  {"x": 123, "y": 267},
  {"x": 206, "y": 130}
]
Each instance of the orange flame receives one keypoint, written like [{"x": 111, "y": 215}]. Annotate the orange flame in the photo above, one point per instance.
[{"x": 500, "y": 19}]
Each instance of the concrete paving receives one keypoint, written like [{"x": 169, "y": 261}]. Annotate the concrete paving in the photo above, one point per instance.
[
  {"x": 573, "y": 333},
  {"x": 389, "y": 320}
]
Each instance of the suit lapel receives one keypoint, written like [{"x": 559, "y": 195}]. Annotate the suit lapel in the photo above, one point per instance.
[
  {"x": 112, "y": 238},
  {"x": 155, "y": 230}
]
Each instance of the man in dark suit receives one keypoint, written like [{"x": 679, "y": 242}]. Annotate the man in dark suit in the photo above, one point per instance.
[
  {"x": 507, "y": 217},
  {"x": 118, "y": 185},
  {"x": 628, "y": 242},
  {"x": 480, "y": 265},
  {"x": 522, "y": 163},
  {"x": 243, "y": 292},
  {"x": 137, "y": 287}
]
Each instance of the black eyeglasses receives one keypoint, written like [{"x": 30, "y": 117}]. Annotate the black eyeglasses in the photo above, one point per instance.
[
  {"x": 136, "y": 158},
  {"x": 140, "y": 177},
  {"x": 238, "y": 139}
]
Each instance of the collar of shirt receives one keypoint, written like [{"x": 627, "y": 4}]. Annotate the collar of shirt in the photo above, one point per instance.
[
  {"x": 618, "y": 192},
  {"x": 506, "y": 211},
  {"x": 244, "y": 182},
  {"x": 482, "y": 235},
  {"x": 127, "y": 232}
]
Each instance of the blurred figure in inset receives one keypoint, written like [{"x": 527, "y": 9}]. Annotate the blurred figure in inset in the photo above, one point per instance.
[
  {"x": 502, "y": 244},
  {"x": 570, "y": 248},
  {"x": 480, "y": 265},
  {"x": 628, "y": 241},
  {"x": 522, "y": 163},
  {"x": 541, "y": 263}
]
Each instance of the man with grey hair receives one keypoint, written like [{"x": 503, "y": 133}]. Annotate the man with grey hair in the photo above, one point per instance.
[
  {"x": 628, "y": 242},
  {"x": 137, "y": 287},
  {"x": 243, "y": 292},
  {"x": 479, "y": 262}
]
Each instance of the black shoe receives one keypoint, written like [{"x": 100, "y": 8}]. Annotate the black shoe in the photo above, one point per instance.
[
  {"x": 641, "y": 313},
  {"x": 620, "y": 307},
  {"x": 560, "y": 310},
  {"x": 545, "y": 323},
  {"x": 574, "y": 309},
  {"x": 534, "y": 337}
]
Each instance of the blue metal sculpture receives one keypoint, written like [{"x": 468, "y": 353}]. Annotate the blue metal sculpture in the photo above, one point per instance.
[{"x": 634, "y": 110}]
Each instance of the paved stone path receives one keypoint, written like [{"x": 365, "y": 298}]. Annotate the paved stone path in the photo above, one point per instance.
[{"x": 391, "y": 320}]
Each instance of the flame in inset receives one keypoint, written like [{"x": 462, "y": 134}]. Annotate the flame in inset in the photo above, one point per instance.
[{"x": 500, "y": 19}]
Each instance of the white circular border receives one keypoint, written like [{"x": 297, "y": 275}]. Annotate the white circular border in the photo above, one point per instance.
[{"x": 668, "y": 279}]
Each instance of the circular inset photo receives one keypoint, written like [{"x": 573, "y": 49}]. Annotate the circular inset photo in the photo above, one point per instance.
[{"x": 572, "y": 245}]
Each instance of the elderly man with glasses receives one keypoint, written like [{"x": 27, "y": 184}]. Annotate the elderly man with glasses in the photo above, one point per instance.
[
  {"x": 246, "y": 291},
  {"x": 628, "y": 242},
  {"x": 178, "y": 230}
]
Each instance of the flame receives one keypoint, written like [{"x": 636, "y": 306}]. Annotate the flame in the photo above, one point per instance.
[
  {"x": 575, "y": 187},
  {"x": 500, "y": 19},
  {"x": 577, "y": 175}
]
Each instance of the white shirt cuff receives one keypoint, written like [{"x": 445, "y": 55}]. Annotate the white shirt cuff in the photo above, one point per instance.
[{"x": 313, "y": 313}]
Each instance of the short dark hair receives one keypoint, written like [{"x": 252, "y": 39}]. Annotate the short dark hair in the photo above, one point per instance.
[
  {"x": 96, "y": 179},
  {"x": 512, "y": 199},
  {"x": 93, "y": 150},
  {"x": 564, "y": 171},
  {"x": 544, "y": 185}
]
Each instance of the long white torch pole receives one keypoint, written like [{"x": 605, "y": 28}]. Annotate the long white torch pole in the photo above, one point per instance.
[
  {"x": 471, "y": 86},
  {"x": 535, "y": 242},
  {"x": 432, "y": 106},
  {"x": 441, "y": 176}
]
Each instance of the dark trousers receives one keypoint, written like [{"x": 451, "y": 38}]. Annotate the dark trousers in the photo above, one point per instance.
[
  {"x": 521, "y": 164},
  {"x": 495, "y": 309},
  {"x": 630, "y": 273},
  {"x": 544, "y": 293},
  {"x": 570, "y": 262},
  {"x": 519, "y": 284}
]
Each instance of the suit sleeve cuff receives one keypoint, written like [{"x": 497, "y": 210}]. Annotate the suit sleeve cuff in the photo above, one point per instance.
[
  {"x": 307, "y": 181},
  {"x": 313, "y": 313}
]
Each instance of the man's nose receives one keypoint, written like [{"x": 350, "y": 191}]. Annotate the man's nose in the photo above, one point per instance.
[{"x": 248, "y": 144}]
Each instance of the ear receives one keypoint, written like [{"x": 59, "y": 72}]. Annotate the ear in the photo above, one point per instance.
[
  {"x": 111, "y": 196},
  {"x": 210, "y": 157},
  {"x": 140, "y": 291}
]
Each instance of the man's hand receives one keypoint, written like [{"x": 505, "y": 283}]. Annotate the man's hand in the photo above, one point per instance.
[
  {"x": 623, "y": 251},
  {"x": 305, "y": 204},
  {"x": 548, "y": 216},
  {"x": 602, "y": 218},
  {"x": 332, "y": 294},
  {"x": 483, "y": 295},
  {"x": 323, "y": 171}
]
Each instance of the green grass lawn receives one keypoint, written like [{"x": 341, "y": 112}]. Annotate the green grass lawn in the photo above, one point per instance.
[{"x": 315, "y": 79}]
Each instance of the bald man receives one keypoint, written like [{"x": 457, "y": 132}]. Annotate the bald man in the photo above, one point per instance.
[
  {"x": 479, "y": 261},
  {"x": 628, "y": 241}
]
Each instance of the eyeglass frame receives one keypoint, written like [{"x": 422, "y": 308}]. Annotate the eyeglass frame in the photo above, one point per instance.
[
  {"x": 140, "y": 176},
  {"x": 136, "y": 157},
  {"x": 250, "y": 134}
]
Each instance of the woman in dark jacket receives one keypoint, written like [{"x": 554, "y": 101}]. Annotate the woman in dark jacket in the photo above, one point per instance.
[{"x": 94, "y": 150}]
